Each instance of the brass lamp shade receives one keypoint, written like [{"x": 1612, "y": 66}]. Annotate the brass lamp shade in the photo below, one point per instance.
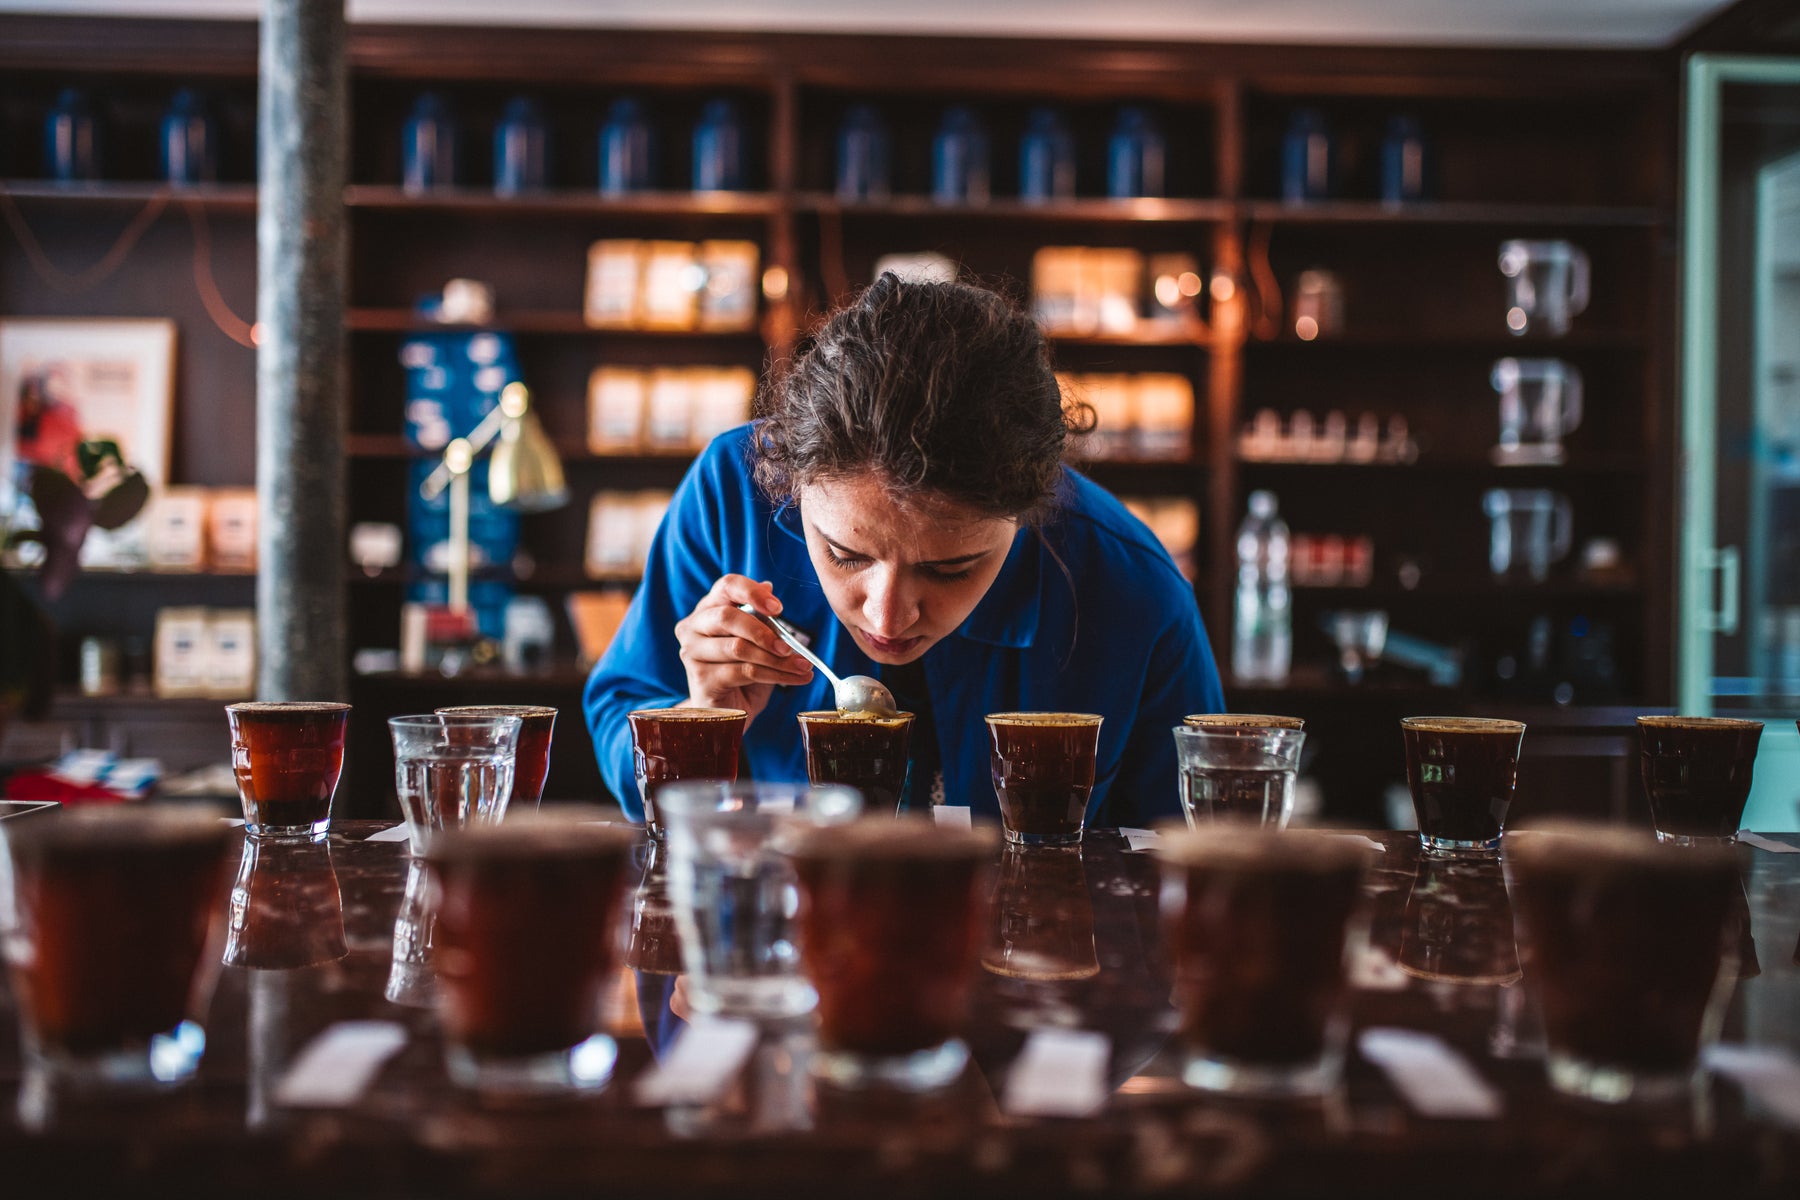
[{"x": 525, "y": 473}]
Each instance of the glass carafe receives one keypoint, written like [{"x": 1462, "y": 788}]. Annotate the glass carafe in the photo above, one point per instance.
[
  {"x": 1540, "y": 403},
  {"x": 1532, "y": 529},
  {"x": 1546, "y": 285}
]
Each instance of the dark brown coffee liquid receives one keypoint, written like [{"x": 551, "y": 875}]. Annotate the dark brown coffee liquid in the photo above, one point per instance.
[
  {"x": 1697, "y": 773},
  {"x": 1259, "y": 959},
  {"x": 676, "y": 743},
  {"x": 525, "y": 947},
  {"x": 891, "y": 941},
  {"x": 1043, "y": 774},
  {"x": 1462, "y": 775},
  {"x": 287, "y": 759},
  {"x": 117, "y": 934},
  {"x": 1625, "y": 955},
  {"x": 866, "y": 753}
]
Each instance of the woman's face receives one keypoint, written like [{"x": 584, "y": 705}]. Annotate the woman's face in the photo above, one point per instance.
[{"x": 899, "y": 576}]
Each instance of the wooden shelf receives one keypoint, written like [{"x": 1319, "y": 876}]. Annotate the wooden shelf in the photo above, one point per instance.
[
  {"x": 1151, "y": 335},
  {"x": 526, "y": 320},
  {"x": 1468, "y": 590},
  {"x": 544, "y": 578},
  {"x": 1430, "y": 340},
  {"x": 566, "y": 675},
  {"x": 562, "y": 202},
  {"x": 1373, "y": 212},
  {"x": 1081, "y": 211},
  {"x": 111, "y": 575},
  {"x": 1430, "y": 465},
  {"x": 380, "y": 446},
  {"x": 223, "y": 197}
]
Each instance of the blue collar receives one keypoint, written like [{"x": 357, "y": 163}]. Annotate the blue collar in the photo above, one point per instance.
[{"x": 1008, "y": 614}]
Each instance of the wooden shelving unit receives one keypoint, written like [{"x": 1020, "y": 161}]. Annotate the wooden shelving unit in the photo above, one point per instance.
[{"x": 1570, "y": 144}]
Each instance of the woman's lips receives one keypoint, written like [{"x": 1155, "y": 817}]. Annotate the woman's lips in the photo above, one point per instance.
[{"x": 890, "y": 645}]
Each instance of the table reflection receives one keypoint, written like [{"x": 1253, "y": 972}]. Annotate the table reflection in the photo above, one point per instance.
[
  {"x": 286, "y": 910},
  {"x": 1043, "y": 919},
  {"x": 411, "y": 980},
  {"x": 1458, "y": 926},
  {"x": 655, "y": 947}
]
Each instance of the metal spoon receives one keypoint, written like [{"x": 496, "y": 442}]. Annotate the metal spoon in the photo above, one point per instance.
[{"x": 855, "y": 693}]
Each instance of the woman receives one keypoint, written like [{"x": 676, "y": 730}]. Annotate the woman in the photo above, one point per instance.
[{"x": 904, "y": 500}]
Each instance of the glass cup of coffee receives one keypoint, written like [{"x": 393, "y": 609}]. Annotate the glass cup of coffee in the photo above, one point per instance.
[
  {"x": 531, "y": 763},
  {"x": 1462, "y": 772},
  {"x": 527, "y": 943},
  {"x": 1260, "y": 926},
  {"x": 1697, "y": 773},
  {"x": 865, "y": 751},
  {"x": 654, "y": 945},
  {"x": 893, "y": 915},
  {"x": 287, "y": 756},
  {"x": 734, "y": 893},
  {"x": 1043, "y": 926},
  {"x": 452, "y": 771},
  {"x": 1630, "y": 945},
  {"x": 672, "y": 744},
  {"x": 115, "y": 950},
  {"x": 1043, "y": 770},
  {"x": 286, "y": 910},
  {"x": 1238, "y": 767}
]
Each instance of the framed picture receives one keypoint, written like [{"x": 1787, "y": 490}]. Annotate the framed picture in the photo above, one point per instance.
[{"x": 64, "y": 380}]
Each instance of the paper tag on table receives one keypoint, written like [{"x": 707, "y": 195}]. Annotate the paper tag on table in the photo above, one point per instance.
[
  {"x": 1374, "y": 971},
  {"x": 234, "y": 822},
  {"x": 1060, "y": 1073},
  {"x": 702, "y": 1062},
  {"x": 338, "y": 1066},
  {"x": 1370, "y": 842},
  {"x": 954, "y": 816},
  {"x": 399, "y": 833},
  {"x": 1140, "y": 839},
  {"x": 1763, "y": 843},
  {"x": 1434, "y": 1079},
  {"x": 1769, "y": 1075}
]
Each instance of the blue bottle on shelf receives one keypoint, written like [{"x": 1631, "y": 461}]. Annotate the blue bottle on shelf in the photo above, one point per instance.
[
  {"x": 1135, "y": 156},
  {"x": 959, "y": 158},
  {"x": 190, "y": 141},
  {"x": 1046, "y": 159},
  {"x": 627, "y": 149},
  {"x": 864, "y": 161},
  {"x": 428, "y": 145},
  {"x": 521, "y": 148},
  {"x": 1306, "y": 157},
  {"x": 719, "y": 149},
  {"x": 72, "y": 139},
  {"x": 1405, "y": 161}
]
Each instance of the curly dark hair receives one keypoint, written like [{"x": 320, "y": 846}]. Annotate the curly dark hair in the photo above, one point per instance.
[{"x": 943, "y": 389}]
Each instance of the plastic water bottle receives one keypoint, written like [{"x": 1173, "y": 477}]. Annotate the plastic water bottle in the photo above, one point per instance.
[{"x": 1262, "y": 643}]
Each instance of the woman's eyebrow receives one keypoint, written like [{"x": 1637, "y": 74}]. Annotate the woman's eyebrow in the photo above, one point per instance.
[{"x": 847, "y": 552}]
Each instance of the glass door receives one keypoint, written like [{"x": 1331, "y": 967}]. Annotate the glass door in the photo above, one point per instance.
[{"x": 1739, "y": 651}]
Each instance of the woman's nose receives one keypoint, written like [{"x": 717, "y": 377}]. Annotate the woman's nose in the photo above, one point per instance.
[{"x": 888, "y": 610}]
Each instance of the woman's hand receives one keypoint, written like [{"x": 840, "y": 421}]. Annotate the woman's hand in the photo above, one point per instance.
[{"x": 733, "y": 659}]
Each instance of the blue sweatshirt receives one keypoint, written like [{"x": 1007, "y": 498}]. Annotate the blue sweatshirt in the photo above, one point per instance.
[{"x": 1114, "y": 629}]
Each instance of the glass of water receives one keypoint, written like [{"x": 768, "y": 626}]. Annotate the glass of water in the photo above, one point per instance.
[
  {"x": 1239, "y": 768},
  {"x": 452, "y": 771},
  {"x": 735, "y": 894}
]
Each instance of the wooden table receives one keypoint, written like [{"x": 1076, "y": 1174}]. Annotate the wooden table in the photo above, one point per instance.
[{"x": 777, "y": 1134}]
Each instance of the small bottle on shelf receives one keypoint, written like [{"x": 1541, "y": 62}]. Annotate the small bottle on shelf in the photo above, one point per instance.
[{"x": 1262, "y": 642}]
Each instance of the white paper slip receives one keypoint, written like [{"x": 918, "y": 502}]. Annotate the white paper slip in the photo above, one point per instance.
[
  {"x": 1763, "y": 843},
  {"x": 1436, "y": 1080},
  {"x": 1771, "y": 1076},
  {"x": 953, "y": 815},
  {"x": 704, "y": 1059},
  {"x": 1060, "y": 1073},
  {"x": 1370, "y": 842},
  {"x": 398, "y": 833},
  {"x": 1141, "y": 839},
  {"x": 338, "y": 1066},
  {"x": 231, "y": 821},
  {"x": 1374, "y": 971}
]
